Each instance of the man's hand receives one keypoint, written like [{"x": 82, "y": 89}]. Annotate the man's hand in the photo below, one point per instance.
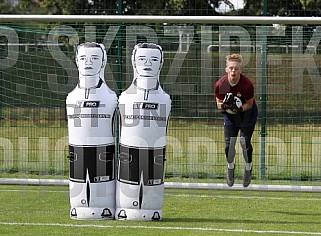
[
  {"x": 232, "y": 104},
  {"x": 235, "y": 109},
  {"x": 225, "y": 106}
]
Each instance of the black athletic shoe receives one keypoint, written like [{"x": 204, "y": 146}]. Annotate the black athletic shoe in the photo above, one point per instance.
[
  {"x": 230, "y": 177},
  {"x": 247, "y": 177}
]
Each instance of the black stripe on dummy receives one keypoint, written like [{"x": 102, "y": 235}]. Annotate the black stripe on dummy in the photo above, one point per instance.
[
  {"x": 98, "y": 160},
  {"x": 133, "y": 162}
]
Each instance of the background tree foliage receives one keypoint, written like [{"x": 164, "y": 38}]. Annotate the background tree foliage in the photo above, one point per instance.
[
  {"x": 129, "y": 7},
  {"x": 165, "y": 7},
  {"x": 5, "y": 7},
  {"x": 283, "y": 8}
]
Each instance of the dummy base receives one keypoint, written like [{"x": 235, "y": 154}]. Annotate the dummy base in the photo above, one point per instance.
[
  {"x": 90, "y": 213},
  {"x": 138, "y": 215}
]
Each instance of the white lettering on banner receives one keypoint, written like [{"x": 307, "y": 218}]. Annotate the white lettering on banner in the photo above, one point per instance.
[
  {"x": 202, "y": 153},
  {"x": 301, "y": 60}
]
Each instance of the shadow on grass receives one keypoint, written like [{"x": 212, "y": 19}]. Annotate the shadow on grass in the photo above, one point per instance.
[{"x": 297, "y": 213}]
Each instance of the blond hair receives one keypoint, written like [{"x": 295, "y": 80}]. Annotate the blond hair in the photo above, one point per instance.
[{"x": 234, "y": 57}]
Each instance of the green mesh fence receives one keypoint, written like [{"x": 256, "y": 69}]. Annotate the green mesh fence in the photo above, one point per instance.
[{"x": 283, "y": 61}]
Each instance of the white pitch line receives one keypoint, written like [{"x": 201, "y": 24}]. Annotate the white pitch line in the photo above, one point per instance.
[
  {"x": 178, "y": 185},
  {"x": 180, "y": 195},
  {"x": 34, "y": 191},
  {"x": 242, "y": 197},
  {"x": 160, "y": 228}
]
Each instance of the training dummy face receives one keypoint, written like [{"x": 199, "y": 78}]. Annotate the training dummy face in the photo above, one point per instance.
[
  {"x": 147, "y": 61},
  {"x": 90, "y": 59}
]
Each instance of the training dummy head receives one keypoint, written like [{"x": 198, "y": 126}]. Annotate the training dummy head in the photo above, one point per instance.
[
  {"x": 91, "y": 59},
  {"x": 147, "y": 61}
]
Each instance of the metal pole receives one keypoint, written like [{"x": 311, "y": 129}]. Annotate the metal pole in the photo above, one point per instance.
[
  {"x": 126, "y": 19},
  {"x": 263, "y": 96},
  {"x": 2, "y": 49},
  {"x": 119, "y": 48},
  {"x": 119, "y": 71}
]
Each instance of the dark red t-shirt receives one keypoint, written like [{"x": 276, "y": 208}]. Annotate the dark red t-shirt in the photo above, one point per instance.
[{"x": 244, "y": 89}]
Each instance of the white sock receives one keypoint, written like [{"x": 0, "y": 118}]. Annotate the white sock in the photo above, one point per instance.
[
  {"x": 230, "y": 165},
  {"x": 248, "y": 166}
]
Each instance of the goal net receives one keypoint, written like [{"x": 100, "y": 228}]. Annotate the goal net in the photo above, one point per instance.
[{"x": 281, "y": 57}]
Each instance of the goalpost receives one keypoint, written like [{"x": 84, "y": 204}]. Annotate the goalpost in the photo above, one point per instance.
[{"x": 281, "y": 55}]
